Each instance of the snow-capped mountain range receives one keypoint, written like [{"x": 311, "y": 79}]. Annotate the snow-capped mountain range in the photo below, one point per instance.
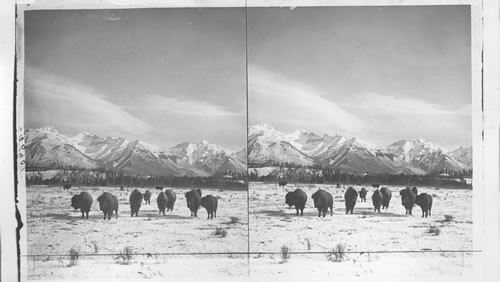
[
  {"x": 47, "y": 148},
  {"x": 268, "y": 146}
]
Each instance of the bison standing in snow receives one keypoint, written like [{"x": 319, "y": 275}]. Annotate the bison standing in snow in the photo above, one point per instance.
[
  {"x": 135, "y": 201},
  {"x": 147, "y": 197},
  {"x": 377, "y": 200},
  {"x": 108, "y": 203},
  {"x": 282, "y": 183},
  {"x": 66, "y": 186},
  {"x": 424, "y": 200},
  {"x": 362, "y": 194},
  {"x": 193, "y": 199},
  {"x": 171, "y": 197},
  {"x": 161, "y": 201},
  {"x": 407, "y": 199},
  {"x": 298, "y": 199},
  {"x": 386, "y": 197},
  {"x": 210, "y": 204},
  {"x": 83, "y": 201},
  {"x": 350, "y": 198},
  {"x": 322, "y": 201}
]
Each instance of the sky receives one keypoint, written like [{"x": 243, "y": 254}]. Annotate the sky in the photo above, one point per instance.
[
  {"x": 164, "y": 76},
  {"x": 381, "y": 74}
]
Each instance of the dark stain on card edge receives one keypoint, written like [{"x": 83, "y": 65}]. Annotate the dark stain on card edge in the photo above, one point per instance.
[{"x": 16, "y": 182}]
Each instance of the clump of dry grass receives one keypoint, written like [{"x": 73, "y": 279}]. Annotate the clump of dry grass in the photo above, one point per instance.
[
  {"x": 125, "y": 256},
  {"x": 221, "y": 231},
  {"x": 337, "y": 254},
  {"x": 448, "y": 218},
  {"x": 234, "y": 219},
  {"x": 285, "y": 253},
  {"x": 73, "y": 257},
  {"x": 434, "y": 230}
]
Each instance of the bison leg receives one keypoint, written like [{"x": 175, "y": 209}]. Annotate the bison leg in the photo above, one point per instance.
[
  {"x": 297, "y": 209},
  {"x": 319, "y": 212},
  {"x": 302, "y": 212},
  {"x": 83, "y": 212},
  {"x": 116, "y": 211},
  {"x": 87, "y": 212}
]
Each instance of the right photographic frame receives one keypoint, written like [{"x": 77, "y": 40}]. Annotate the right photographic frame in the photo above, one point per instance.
[{"x": 362, "y": 126}]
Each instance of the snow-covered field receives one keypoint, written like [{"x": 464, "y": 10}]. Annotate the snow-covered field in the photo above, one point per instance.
[
  {"x": 273, "y": 225},
  {"x": 53, "y": 228}
]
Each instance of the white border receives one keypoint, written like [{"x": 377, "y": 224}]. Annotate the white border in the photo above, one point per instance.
[{"x": 486, "y": 159}]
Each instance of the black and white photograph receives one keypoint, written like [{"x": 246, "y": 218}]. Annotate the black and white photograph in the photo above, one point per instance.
[
  {"x": 250, "y": 140},
  {"x": 360, "y": 140},
  {"x": 135, "y": 141}
]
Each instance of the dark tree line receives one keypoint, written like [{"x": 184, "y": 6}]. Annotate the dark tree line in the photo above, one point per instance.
[
  {"x": 311, "y": 174},
  {"x": 107, "y": 177}
]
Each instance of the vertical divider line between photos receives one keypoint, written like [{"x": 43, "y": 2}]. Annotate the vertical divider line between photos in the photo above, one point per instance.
[{"x": 246, "y": 145}]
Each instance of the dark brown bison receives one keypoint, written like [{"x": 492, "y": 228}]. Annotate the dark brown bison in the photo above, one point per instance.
[
  {"x": 121, "y": 188},
  {"x": 376, "y": 185},
  {"x": 135, "y": 201},
  {"x": 161, "y": 201},
  {"x": 298, "y": 199},
  {"x": 159, "y": 188},
  {"x": 386, "y": 197},
  {"x": 407, "y": 199},
  {"x": 322, "y": 201},
  {"x": 210, "y": 202},
  {"x": 66, "y": 186},
  {"x": 350, "y": 197},
  {"x": 147, "y": 197},
  {"x": 83, "y": 201},
  {"x": 377, "y": 200},
  {"x": 424, "y": 200},
  {"x": 171, "y": 199},
  {"x": 282, "y": 183},
  {"x": 362, "y": 194},
  {"x": 193, "y": 198},
  {"x": 108, "y": 203}
]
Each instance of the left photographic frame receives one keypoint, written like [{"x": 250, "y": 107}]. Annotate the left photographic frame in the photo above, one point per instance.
[{"x": 133, "y": 126}]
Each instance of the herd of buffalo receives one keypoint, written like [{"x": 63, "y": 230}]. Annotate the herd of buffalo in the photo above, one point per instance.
[
  {"x": 108, "y": 203},
  {"x": 323, "y": 200}
]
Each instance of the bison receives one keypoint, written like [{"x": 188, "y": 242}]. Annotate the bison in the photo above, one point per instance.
[
  {"x": 377, "y": 198},
  {"x": 282, "y": 183},
  {"x": 386, "y": 197},
  {"x": 298, "y": 199},
  {"x": 108, "y": 203},
  {"x": 161, "y": 201},
  {"x": 193, "y": 198},
  {"x": 83, "y": 201},
  {"x": 66, "y": 186},
  {"x": 147, "y": 197},
  {"x": 171, "y": 197},
  {"x": 376, "y": 185},
  {"x": 407, "y": 199},
  {"x": 362, "y": 194},
  {"x": 424, "y": 200},
  {"x": 135, "y": 200},
  {"x": 210, "y": 204},
  {"x": 159, "y": 188},
  {"x": 322, "y": 201},
  {"x": 350, "y": 197}
]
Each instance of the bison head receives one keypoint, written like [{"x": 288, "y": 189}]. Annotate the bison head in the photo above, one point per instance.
[
  {"x": 289, "y": 199},
  {"x": 74, "y": 202},
  {"x": 315, "y": 197}
]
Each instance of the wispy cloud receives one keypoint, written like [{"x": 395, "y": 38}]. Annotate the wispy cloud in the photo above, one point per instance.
[
  {"x": 403, "y": 105},
  {"x": 277, "y": 99},
  {"x": 189, "y": 107},
  {"x": 58, "y": 101}
]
